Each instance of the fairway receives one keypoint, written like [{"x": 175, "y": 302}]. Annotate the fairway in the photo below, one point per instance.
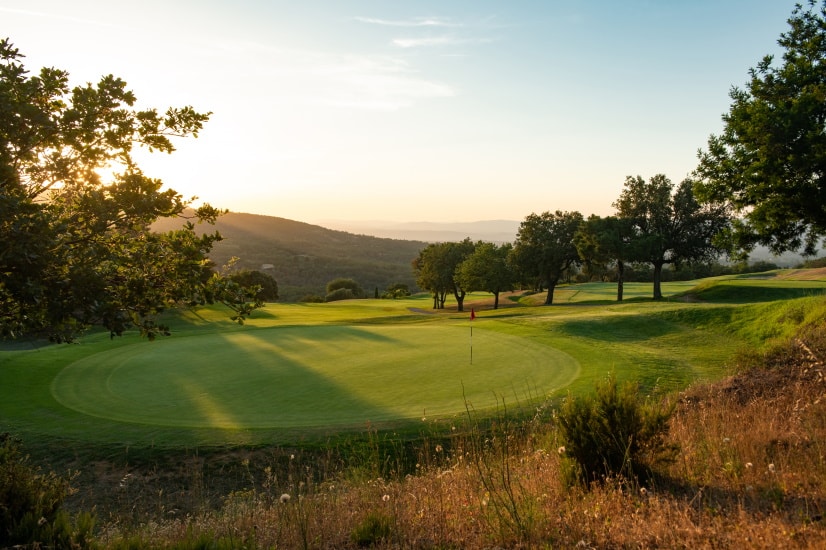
[{"x": 288, "y": 377}]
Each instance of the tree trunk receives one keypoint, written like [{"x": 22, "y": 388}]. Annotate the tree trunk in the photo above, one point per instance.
[
  {"x": 620, "y": 280},
  {"x": 549, "y": 299},
  {"x": 496, "y": 300},
  {"x": 460, "y": 299},
  {"x": 658, "y": 274},
  {"x": 435, "y": 300}
]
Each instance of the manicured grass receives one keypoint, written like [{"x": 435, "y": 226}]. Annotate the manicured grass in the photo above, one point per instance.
[
  {"x": 309, "y": 371},
  {"x": 310, "y": 376}
]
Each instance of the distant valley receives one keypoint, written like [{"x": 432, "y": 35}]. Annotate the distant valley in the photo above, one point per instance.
[{"x": 498, "y": 231}]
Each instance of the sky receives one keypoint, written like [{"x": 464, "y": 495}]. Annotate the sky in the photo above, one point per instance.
[{"x": 448, "y": 111}]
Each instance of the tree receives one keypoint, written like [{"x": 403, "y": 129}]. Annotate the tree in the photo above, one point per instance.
[
  {"x": 76, "y": 248},
  {"x": 769, "y": 163},
  {"x": 601, "y": 241},
  {"x": 545, "y": 247},
  {"x": 669, "y": 225},
  {"x": 343, "y": 289},
  {"x": 396, "y": 290},
  {"x": 435, "y": 270},
  {"x": 265, "y": 285},
  {"x": 488, "y": 269}
]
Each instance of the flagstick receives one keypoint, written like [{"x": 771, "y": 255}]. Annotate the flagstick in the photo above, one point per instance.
[{"x": 472, "y": 316}]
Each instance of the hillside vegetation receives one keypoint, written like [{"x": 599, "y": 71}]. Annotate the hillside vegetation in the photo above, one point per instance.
[{"x": 303, "y": 258}]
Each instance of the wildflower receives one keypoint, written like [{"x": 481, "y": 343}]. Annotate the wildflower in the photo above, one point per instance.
[
  {"x": 41, "y": 521},
  {"x": 749, "y": 465},
  {"x": 439, "y": 448},
  {"x": 643, "y": 491},
  {"x": 292, "y": 457},
  {"x": 561, "y": 450},
  {"x": 726, "y": 440},
  {"x": 284, "y": 499},
  {"x": 385, "y": 498},
  {"x": 771, "y": 468}
]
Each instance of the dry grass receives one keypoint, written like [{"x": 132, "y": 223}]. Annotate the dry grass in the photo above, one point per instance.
[{"x": 751, "y": 473}]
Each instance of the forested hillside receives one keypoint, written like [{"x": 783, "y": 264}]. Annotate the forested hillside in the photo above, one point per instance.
[{"x": 304, "y": 257}]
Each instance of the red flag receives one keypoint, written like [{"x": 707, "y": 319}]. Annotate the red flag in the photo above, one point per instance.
[{"x": 472, "y": 314}]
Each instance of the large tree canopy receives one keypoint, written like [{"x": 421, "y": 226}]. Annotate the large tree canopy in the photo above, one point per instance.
[
  {"x": 75, "y": 247},
  {"x": 487, "y": 268},
  {"x": 436, "y": 270},
  {"x": 545, "y": 247},
  {"x": 669, "y": 225},
  {"x": 769, "y": 163},
  {"x": 602, "y": 241}
]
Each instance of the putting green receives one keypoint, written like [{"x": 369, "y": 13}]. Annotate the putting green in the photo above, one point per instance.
[{"x": 287, "y": 377}]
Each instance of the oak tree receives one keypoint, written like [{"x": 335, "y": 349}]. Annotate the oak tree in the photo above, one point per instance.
[
  {"x": 769, "y": 163},
  {"x": 545, "y": 247},
  {"x": 487, "y": 268},
  {"x": 669, "y": 225},
  {"x": 76, "y": 249}
]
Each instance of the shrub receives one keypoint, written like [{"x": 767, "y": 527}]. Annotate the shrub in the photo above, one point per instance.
[
  {"x": 375, "y": 529},
  {"x": 30, "y": 504},
  {"x": 344, "y": 283},
  {"x": 613, "y": 434},
  {"x": 311, "y": 299},
  {"x": 339, "y": 294},
  {"x": 268, "y": 287}
]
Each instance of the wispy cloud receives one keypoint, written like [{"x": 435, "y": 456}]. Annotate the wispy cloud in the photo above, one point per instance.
[
  {"x": 55, "y": 16},
  {"x": 430, "y": 41},
  {"x": 365, "y": 82},
  {"x": 415, "y": 22}
]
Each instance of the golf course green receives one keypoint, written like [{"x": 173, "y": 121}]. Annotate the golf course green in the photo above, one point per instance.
[{"x": 307, "y": 376}]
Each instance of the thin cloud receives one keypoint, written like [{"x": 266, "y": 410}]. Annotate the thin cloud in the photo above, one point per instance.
[
  {"x": 300, "y": 77},
  {"x": 59, "y": 17},
  {"x": 416, "y": 22},
  {"x": 430, "y": 41}
]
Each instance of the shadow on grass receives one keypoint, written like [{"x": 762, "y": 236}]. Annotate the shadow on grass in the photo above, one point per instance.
[
  {"x": 621, "y": 328},
  {"x": 758, "y": 500}
]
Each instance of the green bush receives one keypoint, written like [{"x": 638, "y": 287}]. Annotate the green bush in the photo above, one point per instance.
[
  {"x": 375, "y": 529},
  {"x": 30, "y": 504},
  {"x": 344, "y": 283},
  {"x": 268, "y": 287},
  {"x": 613, "y": 434},
  {"x": 339, "y": 294}
]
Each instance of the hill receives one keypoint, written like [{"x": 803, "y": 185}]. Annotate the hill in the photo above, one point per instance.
[
  {"x": 304, "y": 257},
  {"x": 498, "y": 231}
]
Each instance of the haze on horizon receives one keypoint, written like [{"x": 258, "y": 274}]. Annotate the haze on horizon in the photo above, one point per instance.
[{"x": 415, "y": 111}]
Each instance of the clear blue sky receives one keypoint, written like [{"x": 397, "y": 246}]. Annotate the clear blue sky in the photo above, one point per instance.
[{"x": 415, "y": 111}]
